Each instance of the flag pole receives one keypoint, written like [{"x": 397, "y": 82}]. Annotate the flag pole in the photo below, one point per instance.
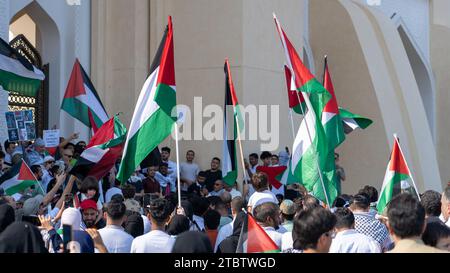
[
  {"x": 292, "y": 124},
  {"x": 303, "y": 113},
  {"x": 40, "y": 186},
  {"x": 178, "y": 165},
  {"x": 412, "y": 179},
  {"x": 244, "y": 171}
]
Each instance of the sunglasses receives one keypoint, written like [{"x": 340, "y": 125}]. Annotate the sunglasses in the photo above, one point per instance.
[{"x": 69, "y": 156}]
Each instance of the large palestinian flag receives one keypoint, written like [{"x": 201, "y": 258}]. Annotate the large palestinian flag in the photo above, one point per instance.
[
  {"x": 254, "y": 239},
  {"x": 229, "y": 160},
  {"x": 397, "y": 172},
  {"x": 102, "y": 151},
  {"x": 310, "y": 149},
  {"x": 81, "y": 100},
  {"x": 152, "y": 120},
  {"x": 17, "y": 74},
  {"x": 17, "y": 179}
]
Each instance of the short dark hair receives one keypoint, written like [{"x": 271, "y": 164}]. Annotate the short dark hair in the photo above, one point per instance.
[
  {"x": 116, "y": 210},
  {"x": 434, "y": 232},
  {"x": 310, "y": 202},
  {"x": 261, "y": 212},
  {"x": 117, "y": 198},
  {"x": 309, "y": 225},
  {"x": 265, "y": 155},
  {"x": 35, "y": 168},
  {"x": 69, "y": 144},
  {"x": 128, "y": 191},
  {"x": 274, "y": 155},
  {"x": 344, "y": 218},
  {"x": 431, "y": 202},
  {"x": 254, "y": 155},
  {"x": 200, "y": 205},
  {"x": 342, "y": 201},
  {"x": 214, "y": 200},
  {"x": 190, "y": 151},
  {"x": 237, "y": 204},
  {"x": 202, "y": 174},
  {"x": 260, "y": 181},
  {"x": 371, "y": 192},
  {"x": 165, "y": 149},
  {"x": 2, "y": 154},
  {"x": 160, "y": 210},
  {"x": 406, "y": 216},
  {"x": 212, "y": 219},
  {"x": 164, "y": 164},
  {"x": 360, "y": 201},
  {"x": 216, "y": 158}
]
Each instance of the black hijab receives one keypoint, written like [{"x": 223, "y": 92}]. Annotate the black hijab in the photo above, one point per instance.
[
  {"x": 7, "y": 216},
  {"x": 230, "y": 244},
  {"x": 192, "y": 242},
  {"x": 134, "y": 225},
  {"x": 22, "y": 237},
  {"x": 178, "y": 225}
]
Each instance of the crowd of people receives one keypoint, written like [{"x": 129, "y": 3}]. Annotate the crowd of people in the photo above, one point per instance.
[{"x": 142, "y": 215}]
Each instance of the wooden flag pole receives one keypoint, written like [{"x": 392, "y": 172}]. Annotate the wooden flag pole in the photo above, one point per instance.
[
  {"x": 412, "y": 179},
  {"x": 244, "y": 171},
  {"x": 178, "y": 165}
]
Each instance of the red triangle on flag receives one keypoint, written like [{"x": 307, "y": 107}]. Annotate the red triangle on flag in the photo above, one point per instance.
[
  {"x": 257, "y": 239},
  {"x": 75, "y": 87},
  {"x": 103, "y": 134},
  {"x": 398, "y": 163},
  {"x": 272, "y": 173},
  {"x": 25, "y": 173},
  {"x": 166, "y": 73},
  {"x": 332, "y": 105}
]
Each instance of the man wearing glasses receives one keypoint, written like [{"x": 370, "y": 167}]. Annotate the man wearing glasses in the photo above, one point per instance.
[{"x": 67, "y": 157}]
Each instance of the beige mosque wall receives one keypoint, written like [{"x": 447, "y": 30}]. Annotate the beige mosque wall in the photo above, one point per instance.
[
  {"x": 370, "y": 60},
  {"x": 440, "y": 60},
  {"x": 364, "y": 154},
  {"x": 126, "y": 35}
]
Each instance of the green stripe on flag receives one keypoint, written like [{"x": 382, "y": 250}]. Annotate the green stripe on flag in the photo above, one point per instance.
[
  {"x": 14, "y": 83},
  {"x": 145, "y": 140},
  {"x": 166, "y": 98},
  {"x": 388, "y": 191},
  {"x": 23, "y": 185}
]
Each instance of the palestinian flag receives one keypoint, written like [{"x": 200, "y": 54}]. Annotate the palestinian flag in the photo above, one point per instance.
[
  {"x": 397, "y": 172},
  {"x": 102, "y": 151},
  {"x": 296, "y": 100},
  {"x": 17, "y": 179},
  {"x": 273, "y": 174},
  {"x": 310, "y": 149},
  {"x": 352, "y": 121},
  {"x": 331, "y": 120},
  {"x": 152, "y": 120},
  {"x": 229, "y": 160},
  {"x": 17, "y": 74},
  {"x": 81, "y": 101},
  {"x": 254, "y": 239},
  {"x": 287, "y": 177}
]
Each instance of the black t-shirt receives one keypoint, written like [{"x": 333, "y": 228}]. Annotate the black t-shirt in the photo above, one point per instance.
[{"x": 211, "y": 178}]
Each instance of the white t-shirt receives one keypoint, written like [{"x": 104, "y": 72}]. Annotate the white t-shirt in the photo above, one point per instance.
[
  {"x": 258, "y": 198},
  {"x": 286, "y": 240},
  {"x": 116, "y": 239},
  {"x": 224, "y": 232},
  {"x": 155, "y": 241},
  {"x": 188, "y": 171},
  {"x": 274, "y": 235},
  {"x": 350, "y": 241},
  {"x": 235, "y": 193}
]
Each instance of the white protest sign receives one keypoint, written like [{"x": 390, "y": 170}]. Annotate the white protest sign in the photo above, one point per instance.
[{"x": 51, "y": 138}]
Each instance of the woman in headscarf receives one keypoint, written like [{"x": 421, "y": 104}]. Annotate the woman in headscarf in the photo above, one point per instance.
[
  {"x": 192, "y": 242},
  {"x": 134, "y": 224},
  {"x": 178, "y": 224},
  {"x": 230, "y": 244},
  {"x": 22, "y": 237},
  {"x": 7, "y": 216}
]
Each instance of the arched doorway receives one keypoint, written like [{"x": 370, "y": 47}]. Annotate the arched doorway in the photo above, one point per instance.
[{"x": 38, "y": 104}]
